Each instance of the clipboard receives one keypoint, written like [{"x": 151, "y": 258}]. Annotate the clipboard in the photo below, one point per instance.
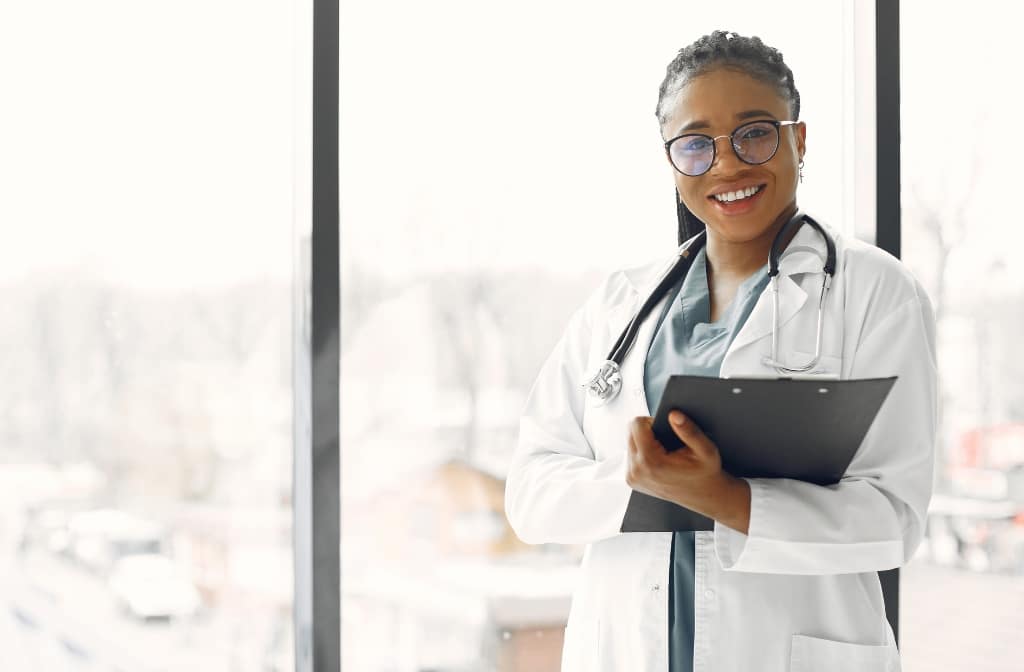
[{"x": 803, "y": 428}]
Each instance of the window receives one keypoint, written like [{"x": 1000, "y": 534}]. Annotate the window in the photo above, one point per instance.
[
  {"x": 961, "y": 596},
  {"x": 496, "y": 162},
  {"x": 146, "y": 273}
]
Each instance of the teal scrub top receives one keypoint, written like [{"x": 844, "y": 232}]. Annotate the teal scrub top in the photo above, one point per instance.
[{"x": 687, "y": 342}]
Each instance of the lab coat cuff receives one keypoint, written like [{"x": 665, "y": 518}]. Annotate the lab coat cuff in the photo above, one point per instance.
[{"x": 732, "y": 546}]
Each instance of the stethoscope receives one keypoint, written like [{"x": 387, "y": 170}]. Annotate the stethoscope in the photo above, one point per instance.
[{"x": 606, "y": 383}]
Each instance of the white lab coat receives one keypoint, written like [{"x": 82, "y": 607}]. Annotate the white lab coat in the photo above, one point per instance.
[{"x": 800, "y": 591}]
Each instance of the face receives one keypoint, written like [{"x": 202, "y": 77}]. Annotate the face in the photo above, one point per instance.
[{"x": 714, "y": 104}]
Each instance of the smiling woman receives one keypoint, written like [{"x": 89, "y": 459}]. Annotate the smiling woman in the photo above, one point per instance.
[
  {"x": 740, "y": 90},
  {"x": 787, "y": 579}
]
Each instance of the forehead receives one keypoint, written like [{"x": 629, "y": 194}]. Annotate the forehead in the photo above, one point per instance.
[{"x": 717, "y": 100}]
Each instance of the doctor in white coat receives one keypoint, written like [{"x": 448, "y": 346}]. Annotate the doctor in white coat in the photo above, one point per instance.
[{"x": 787, "y": 580}]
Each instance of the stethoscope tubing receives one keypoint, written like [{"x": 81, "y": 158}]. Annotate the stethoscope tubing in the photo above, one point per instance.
[
  {"x": 607, "y": 382},
  {"x": 677, "y": 271}
]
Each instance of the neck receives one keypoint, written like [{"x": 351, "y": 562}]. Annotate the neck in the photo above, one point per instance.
[{"x": 740, "y": 259}]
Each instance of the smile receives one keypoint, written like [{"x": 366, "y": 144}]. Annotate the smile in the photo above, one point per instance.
[
  {"x": 738, "y": 202},
  {"x": 731, "y": 196}
]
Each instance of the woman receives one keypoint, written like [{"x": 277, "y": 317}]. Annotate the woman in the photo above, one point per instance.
[{"x": 787, "y": 580}]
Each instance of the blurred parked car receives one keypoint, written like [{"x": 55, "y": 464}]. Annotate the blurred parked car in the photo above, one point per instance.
[
  {"x": 101, "y": 537},
  {"x": 44, "y": 528},
  {"x": 981, "y": 535},
  {"x": 978, "y": 522},
  {"x": 151, "y": 586}
]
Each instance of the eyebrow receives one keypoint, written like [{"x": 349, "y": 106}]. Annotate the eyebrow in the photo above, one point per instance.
[{"x": 701, "y": 123}]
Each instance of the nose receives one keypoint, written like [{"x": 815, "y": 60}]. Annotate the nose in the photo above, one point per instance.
[{"x": 725, "y": 157}]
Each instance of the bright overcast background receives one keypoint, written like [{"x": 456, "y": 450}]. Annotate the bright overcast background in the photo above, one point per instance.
[
  {"x": 122, "y": 149},
  {"x": 121, "y": 154}
]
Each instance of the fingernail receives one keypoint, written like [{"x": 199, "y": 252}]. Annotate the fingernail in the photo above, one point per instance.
[{"x": 677, "y": 418}]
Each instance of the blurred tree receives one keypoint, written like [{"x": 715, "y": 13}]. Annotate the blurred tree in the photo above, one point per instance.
[
  {"x": 465, "y": 305},
  {"x": 944, "y": 224},
  {"x": 497, "y": 328},
  {"x": 153, "y": 387}
]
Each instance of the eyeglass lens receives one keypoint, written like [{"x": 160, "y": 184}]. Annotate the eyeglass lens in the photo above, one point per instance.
[{"x": 754, "y": 143}]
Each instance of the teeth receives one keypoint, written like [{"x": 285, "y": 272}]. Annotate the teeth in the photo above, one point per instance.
[{"x": 731, "y": 196}]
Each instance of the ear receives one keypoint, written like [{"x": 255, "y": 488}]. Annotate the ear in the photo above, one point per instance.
[{"x": 801, "y": 139}]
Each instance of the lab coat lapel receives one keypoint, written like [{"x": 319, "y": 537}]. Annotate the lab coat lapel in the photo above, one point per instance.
[
  {"x": 633, "y": 393},
  {"x": 804, "y": 254}
]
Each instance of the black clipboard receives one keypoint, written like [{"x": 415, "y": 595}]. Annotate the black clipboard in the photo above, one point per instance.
[{"x": 802, "y": 428}]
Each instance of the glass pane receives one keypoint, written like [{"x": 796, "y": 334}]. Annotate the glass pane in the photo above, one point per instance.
[
  {"x": 497, "y": 161},
  {"x": 145, "y": 353},
  {"x": 962, "y": 595}
]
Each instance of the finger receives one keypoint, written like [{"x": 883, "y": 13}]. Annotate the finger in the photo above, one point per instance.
[
  {"x": 690, "y": 434},
  {"x": 634, "y": 445},
  {"x": 643, "y": 436},
  {"x": 636, "y": 465},
  {"x": 630, "y": 462}
]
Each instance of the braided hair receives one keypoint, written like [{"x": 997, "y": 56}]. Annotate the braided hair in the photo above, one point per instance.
[{"x": 722, "y": 49}]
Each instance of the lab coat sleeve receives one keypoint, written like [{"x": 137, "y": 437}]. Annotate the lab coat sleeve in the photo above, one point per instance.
[
  {"x": 874, "y": 518},
  {"x": 556, "y": 491}
]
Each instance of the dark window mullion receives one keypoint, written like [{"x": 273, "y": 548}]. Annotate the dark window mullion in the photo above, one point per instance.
[
  {"x": 317, "y": 373},
  {"x": 887, "y": 175}
]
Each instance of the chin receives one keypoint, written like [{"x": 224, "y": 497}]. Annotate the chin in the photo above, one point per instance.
[
  {"x": 743, "y": 227},
  {"x": 739, "y": 229},
  {"x": 739, "y": 237}
]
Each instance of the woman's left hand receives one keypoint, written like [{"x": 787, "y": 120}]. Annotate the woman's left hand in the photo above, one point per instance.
[{"x": 689, "y": 476}]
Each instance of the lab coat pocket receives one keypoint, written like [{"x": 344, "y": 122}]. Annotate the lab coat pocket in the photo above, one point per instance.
[{"x": 813, "y": 654}]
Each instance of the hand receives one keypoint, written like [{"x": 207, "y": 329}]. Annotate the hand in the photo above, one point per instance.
[{"x": 691, "y": 476}]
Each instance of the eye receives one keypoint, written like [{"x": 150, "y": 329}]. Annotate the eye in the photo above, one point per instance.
[
  {"x": 753, "y": 133},
  {"x": 697, "y": 143}
]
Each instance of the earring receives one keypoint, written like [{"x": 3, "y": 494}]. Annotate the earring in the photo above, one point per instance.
[{"x": 801, "y": 166}]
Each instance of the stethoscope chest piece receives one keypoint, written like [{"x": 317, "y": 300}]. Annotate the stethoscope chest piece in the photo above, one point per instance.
[{"x": 605, "y": 384}]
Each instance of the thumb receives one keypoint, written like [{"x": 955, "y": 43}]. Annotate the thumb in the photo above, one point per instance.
[{"x": 689, "y": 433}]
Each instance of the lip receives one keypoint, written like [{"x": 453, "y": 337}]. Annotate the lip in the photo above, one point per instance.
[
  {"x": 734, "y": 186},
  {"x": 738, "y": 207}
]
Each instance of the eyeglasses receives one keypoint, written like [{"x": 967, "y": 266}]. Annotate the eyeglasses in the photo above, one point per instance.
[{"x": 754, "y": 142}]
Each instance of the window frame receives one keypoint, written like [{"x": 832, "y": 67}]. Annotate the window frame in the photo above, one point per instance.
[{"x": 873, "y": 29}]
